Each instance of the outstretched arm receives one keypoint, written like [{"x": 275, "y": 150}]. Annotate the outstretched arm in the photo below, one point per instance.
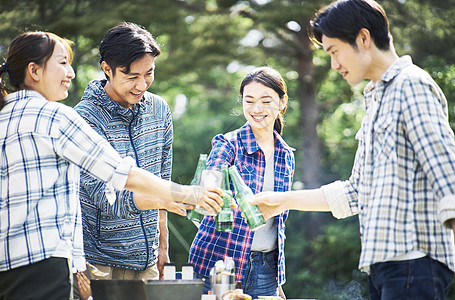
[
  {"x": 274, "y": 203},
  {"x": 141, "y": 181}
]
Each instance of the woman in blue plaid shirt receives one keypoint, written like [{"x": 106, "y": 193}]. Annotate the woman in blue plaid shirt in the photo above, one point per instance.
[
  {"x": 266, "y": 163},
  {"x": 44, "y": 145}
]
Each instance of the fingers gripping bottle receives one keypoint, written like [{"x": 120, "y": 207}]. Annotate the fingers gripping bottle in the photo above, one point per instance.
[
  {"x": 225, "y": 217},
  {"x": 251, "y": 213},
  {"x": 201, "y": 166}
]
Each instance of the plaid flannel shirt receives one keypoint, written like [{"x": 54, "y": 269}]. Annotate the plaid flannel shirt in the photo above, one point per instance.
[
  {"x": 240, "y": 148},
  {"x": 404, "y": 170},
  {"x": 44, "y": 145}
]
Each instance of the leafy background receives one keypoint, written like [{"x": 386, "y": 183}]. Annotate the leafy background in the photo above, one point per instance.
[{"x": 207, "y": 48}]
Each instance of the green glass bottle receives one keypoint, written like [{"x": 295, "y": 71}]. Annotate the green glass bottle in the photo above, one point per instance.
[
  {"x": 225, "y": 217},
  {"x": 201, "y": 166},
  {"x": 252, "y": 214}
]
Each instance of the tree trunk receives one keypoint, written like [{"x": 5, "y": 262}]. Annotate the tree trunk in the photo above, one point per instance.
[{"x": 309, "y": 163}]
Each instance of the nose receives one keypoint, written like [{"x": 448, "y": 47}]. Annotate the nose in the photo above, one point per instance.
[
  {"x": 71, "y": 73},
  {"x": 334, "y": 64},
  {"x": 142, "y": 84},
  {"x": 257, "y": 107}
]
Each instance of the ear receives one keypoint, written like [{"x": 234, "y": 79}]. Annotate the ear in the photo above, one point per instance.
[
  {"x": 283, "y": 102},
  {"x": 364, "y": 38},
  {"x": 106, "y": 69},
  {"x": 34, "y": 71}
]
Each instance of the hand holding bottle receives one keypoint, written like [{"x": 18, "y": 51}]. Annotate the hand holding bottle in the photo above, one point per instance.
[
  {"x": 208, "y": 198},
  {"x": 269, "y": 203}
]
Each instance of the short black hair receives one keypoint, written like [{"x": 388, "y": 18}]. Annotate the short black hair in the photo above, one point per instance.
[
  {"x": 124, "y": 44},
  {"x": 343, "y": 19}
]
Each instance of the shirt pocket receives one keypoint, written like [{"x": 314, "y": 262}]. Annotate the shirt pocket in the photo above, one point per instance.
[
  {"x": 249, "y": 173},
  {"x": 384, "y": 136}
]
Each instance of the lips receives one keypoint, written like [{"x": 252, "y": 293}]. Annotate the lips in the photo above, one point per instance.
[
  {"x": 139, "y": 94},
  {"x": 258, "y": 118},
  {"x": 66, "y": 84}
]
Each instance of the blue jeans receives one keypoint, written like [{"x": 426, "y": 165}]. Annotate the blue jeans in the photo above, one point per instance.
[
  {"x": 423, "y": 278},
  {"x": 261, "y": 275}
]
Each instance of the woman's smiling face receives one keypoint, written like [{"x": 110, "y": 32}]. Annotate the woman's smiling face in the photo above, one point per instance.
[
  {"x": 56, "y": 75},
  {"x": 261, "y": 106}
]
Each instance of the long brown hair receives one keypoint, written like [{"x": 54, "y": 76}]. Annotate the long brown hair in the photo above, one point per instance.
[
  {"x": 272, "y": 79},
  {"x": 36, "y": 47}
]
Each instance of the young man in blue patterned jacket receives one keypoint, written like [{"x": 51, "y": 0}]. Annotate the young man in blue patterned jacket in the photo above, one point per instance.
[{"x": 126, "y": 240}]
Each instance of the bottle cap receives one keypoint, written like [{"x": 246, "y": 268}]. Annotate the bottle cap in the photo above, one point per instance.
[
  {"x": 238, "y": 285},
  {"x": 169, "y": 271}
]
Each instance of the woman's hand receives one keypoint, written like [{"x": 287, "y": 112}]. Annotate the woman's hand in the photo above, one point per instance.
[
  {"x": 149, "y": 202},
  {"x": 208, "y": 198}
]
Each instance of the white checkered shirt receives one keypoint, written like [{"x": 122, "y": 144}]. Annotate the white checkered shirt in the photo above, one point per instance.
[
  {"x": 403, "y": 180},
  {"x": 44, "y": 145}
]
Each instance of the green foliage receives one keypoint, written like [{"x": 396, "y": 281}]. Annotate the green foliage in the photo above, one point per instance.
[{"x": 205, "y": 54}]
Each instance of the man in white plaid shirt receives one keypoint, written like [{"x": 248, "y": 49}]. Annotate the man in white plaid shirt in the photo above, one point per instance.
[{"x": 402, "y": 184}]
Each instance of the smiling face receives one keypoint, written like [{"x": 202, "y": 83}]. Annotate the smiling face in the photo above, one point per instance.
[
  {"x": 128, "y": 88},
  {"x": 352, "y": 63},
  {"x": 56, "y": 76},
  {"x": 261, "y": 106}
]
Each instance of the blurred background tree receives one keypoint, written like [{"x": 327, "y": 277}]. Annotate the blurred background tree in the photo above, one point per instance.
[{"x": 207, "y": 48}]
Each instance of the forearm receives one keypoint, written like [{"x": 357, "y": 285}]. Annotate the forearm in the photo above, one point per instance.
[
  {"x": 164, "y": 232},
  {"x": 141, "y": 181},
  {"x": 306, "y": 200}
]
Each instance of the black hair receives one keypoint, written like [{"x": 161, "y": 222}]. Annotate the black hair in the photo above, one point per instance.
[
  {"x": 272, "y": 79},
  {"x": 343, "y": 19},
  {"x": 36, "y": 47},
  {"x": 124, "y": 44}
]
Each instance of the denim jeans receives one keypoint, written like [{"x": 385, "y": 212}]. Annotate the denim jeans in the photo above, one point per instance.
[
  {"x": 423, "y": 278},
  {"x": 261, "y": 275}
]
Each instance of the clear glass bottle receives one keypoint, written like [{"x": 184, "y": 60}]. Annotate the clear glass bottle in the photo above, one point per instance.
[
  {"x": 251, "y": 213},
  {"x": 201, "y": 166},
  {"x": 225, "y": 217}
]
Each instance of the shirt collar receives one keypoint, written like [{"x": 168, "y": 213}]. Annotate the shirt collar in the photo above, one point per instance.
[
  {"x": 396, "y": 68},
  {"x": 393, "y": 71},
  {"x": 95, "y": 92},
  {"x": 22, "y": 94},
  {"x": 249, "y": 141}
]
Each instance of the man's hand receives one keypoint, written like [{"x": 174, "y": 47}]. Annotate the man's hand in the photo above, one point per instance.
[
  {"x": 163, "y": 257},
  {"x": 83, "y": 284},
  {"x": 163, "y": 248}
]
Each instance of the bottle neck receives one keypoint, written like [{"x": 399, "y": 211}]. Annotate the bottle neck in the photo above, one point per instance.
[
  {"x": 237, "y": 180},
  {"x": 201, "y": 166}
]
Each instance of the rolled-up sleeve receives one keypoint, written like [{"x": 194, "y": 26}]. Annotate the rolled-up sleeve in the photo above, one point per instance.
[
  {"x": 80, "y": 144},
  {"x": 337, "y": 200}
]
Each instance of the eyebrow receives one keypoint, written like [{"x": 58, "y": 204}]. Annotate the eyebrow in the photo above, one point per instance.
[
  {"x": 265, "y": 95},
  {"x": 328, "y": 49},
  {"x": 130, "y": 74}
]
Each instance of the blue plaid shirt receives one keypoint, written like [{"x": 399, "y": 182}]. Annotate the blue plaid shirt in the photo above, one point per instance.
[
  {"x": 44, "y": 145},
  {"x": 240, "y": 148},
  {"x": 404, "y": 170}
]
